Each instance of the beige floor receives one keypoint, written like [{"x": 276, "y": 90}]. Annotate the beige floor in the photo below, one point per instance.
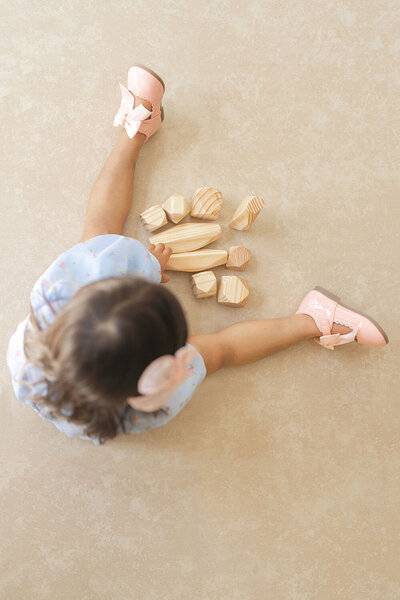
[{"x": 280, "y": 480}]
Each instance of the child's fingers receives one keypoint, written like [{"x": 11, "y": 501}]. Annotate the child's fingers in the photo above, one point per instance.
[{"x": 151, "y": 247}]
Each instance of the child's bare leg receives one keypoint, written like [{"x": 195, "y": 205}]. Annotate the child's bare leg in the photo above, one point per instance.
[
  {"x": 249, "y": 341},
  {"x": 111, "y": 197}
]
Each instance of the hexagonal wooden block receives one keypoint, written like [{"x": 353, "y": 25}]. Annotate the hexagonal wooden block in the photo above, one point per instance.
[
  {"x": 238, "y": 258},
  {"x": 246, "y": 212},
  {"x": 176, "y": 208},
  {"x": 153, "y": 218},
  {"x": 233, "y": 291},
  {"x": 206, "y": 203},
  {"x": 204, "y": 284}
]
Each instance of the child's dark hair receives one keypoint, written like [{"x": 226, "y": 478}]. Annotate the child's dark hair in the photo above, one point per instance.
[{"x": 94, "y": 352}]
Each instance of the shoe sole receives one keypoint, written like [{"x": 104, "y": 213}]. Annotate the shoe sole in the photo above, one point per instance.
[
  {"x": 337, "y": 299},
  {"x": 159, "y": 79}
]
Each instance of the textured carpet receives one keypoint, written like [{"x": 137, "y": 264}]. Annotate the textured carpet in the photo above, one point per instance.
[{"x": 280, "y": 479}]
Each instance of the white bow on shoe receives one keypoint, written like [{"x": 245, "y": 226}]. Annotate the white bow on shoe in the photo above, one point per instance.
[
  {"x": 337, "y": 339},
  {"x": 131, "y": 118}
]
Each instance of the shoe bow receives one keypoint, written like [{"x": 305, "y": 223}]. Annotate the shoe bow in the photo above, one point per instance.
[
  {"x": 337, "y": 339},
  {"x": 131, "y": 118}
]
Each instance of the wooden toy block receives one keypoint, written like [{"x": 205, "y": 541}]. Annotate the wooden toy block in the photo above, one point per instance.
[
  {"x": 176, "y": 208},
  {"x": 188, "y": 236},
  {"x": 206, "y": 203},
  {"x": 201, "y": 260},
  {"x": 204, "y": 284},
  {"x": 246, "y": 212},
  {"x": 153, "y": 218},
  {"x": 233, "y": 291},
  {"x": 238, "y": 258}
]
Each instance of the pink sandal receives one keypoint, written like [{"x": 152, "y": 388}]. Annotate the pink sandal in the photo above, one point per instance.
[
  {"x": 325, "y": 309},
  {"x": 142, "y": 82}
]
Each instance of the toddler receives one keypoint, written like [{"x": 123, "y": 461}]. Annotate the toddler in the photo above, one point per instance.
[{"x": 105, "y": 348}]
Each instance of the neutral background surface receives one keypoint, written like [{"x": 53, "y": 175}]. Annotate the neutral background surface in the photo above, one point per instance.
[{"x": 280, "y": 479}]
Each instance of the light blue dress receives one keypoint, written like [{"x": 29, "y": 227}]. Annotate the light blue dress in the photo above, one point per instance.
[{"x": 98, "y": 258}]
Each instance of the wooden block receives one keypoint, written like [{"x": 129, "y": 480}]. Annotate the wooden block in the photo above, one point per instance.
[
  {"x": 176, "y": 208},
  {"x": 200, "y": 260},
  {"x": 206, "y": 204},
  {"x": 233, "y": 291},
  {"x": 238, "y": 258},
  {"x": 188, "y": 236},
  {"x": 246, "y": 212},
  {"x": 153, "y": 218},
  {"x": 204, "y": 284}
]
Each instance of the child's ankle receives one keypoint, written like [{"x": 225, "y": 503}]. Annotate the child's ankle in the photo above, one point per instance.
[{"x": 307, "y": 326}]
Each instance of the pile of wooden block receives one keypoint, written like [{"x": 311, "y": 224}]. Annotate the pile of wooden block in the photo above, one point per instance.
[{"x": 186, "y": 239}]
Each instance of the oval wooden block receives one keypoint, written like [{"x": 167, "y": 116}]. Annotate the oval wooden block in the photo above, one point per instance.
[
  {"x": 153, "y": 218},
  {"x": 233, "y": 291},
  {"x": 206, "y": 203},
  {"x": 204, "y": 284},
  {"x": 200, "y": 260},
  {"x": 176, "y": 208},
  {"x": 238, "y": 258},
  {"x": 246, "y": 212},
  {"x": 188, "y": 236}
]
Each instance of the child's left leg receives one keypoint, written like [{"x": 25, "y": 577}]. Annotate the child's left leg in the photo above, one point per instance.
[
  {"x": 111, "y": 197},
  {"x": 319, "y": 316},
  {"x": 249, "y": 341}
]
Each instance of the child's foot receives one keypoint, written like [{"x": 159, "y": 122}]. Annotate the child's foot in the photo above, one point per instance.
[
  {"x": 338, "y": 328},
  {"x": 337, "y": 324},
  {"x": 147, "y": 90},
  {"x": 138, "y": 100},
  {"x": 313, "y": 330}
]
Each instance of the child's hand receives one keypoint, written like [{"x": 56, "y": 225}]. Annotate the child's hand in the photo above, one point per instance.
[{"x": 162, "y": 254}]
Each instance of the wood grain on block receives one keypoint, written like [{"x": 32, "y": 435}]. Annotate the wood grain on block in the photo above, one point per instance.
[
  {"x": 238, "y": 258},
  {"x": 246, "y": 212},
  {"x": 153, "y": 218},
  {"x": 206, "y": 203},
  {"x": 204, "y": 284},
  {"x": 233, "y": 291},
  {"x": 200, "y": 260},
  {"x": 176, "y": 208},
  {"x": 188, "y": 236}
]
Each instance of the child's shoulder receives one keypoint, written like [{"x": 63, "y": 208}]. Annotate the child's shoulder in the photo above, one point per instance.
[{"x": 103, "y": 256}]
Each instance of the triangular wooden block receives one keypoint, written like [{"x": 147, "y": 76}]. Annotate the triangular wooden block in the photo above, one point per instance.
[
  {"x": 188, "y": 236},
  {"x": 246, "y": 212},
  {"x": 204, "y": 284},
  {"x": 200, "y": 260},
  {"x": 206, "y": 204},
  {"x": 238, "y": 258},
  {"x": 233, "y": 291},
  {"x": 176, "y": 208},
  {"x": 153, "y": 218}
]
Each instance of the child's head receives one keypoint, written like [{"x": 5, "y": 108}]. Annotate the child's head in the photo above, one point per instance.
[{"x": 94, "y": 352}]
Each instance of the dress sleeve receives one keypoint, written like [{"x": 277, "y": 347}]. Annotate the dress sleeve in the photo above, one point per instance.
[
  {"x": 136, "y": 421},
  {"x": 22, "y": 376},
  {"x": 100, "y": 257}
]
